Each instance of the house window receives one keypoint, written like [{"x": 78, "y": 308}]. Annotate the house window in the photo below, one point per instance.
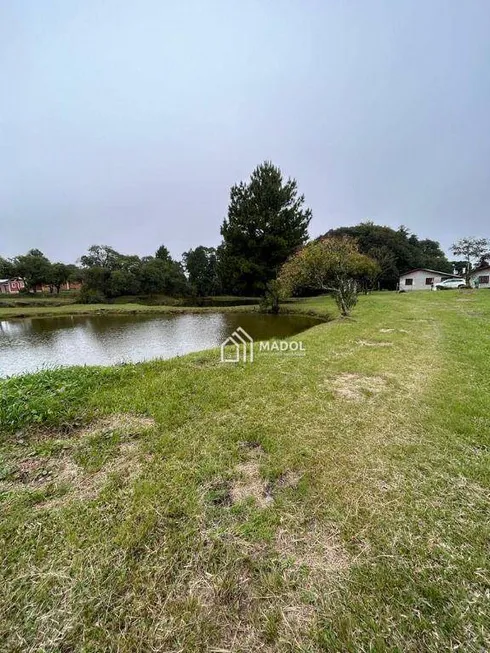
[
  {"x": 429, "y": 281},
  {"x": 484, "y": 280},
  {"x": 409, "y": 282}
]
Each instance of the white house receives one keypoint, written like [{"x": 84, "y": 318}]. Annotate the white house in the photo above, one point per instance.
[
  {"x": 421, "y": 279},
  {"x": 483, "y": 276}
]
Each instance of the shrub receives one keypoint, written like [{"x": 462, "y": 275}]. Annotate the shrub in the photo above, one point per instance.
[{"x": 90, "y": 296}]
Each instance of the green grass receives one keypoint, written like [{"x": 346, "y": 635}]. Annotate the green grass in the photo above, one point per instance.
[
  {"x": 20, "y": 306},
  {"x": 99, "y": 309},
  {"x": 335, "y": 502},
  {"x": 38, "y": 300}
]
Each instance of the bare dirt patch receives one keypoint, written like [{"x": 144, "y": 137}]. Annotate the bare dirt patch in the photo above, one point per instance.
[
  {"x": 367, "y": 343},
  {"x": 356, "y": 387},
  {"x": 386, "y": 330}
]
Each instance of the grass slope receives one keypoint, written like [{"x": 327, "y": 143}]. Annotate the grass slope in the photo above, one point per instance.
[{"x": 335, "y": 502}]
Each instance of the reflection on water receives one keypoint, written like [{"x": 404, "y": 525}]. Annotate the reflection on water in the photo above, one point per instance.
[{"x": 30, "y": 344}]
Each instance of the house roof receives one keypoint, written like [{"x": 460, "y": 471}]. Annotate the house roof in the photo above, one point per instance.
[
  {"x": 481, "y": 269},
  {"x": 444, "y": 274}
]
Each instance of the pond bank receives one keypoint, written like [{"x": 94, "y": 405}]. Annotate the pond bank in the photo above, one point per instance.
[
  {"x": 11, "y": 313},
  {"x": 332, "y": 502}
]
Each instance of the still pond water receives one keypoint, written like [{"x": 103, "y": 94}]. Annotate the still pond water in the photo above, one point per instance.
[{"x": 32, "y": 344}]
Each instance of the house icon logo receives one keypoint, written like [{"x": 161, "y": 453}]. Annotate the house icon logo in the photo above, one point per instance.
[{"x": 241, "y": 347}]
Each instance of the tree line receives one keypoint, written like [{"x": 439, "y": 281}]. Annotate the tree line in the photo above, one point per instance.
[{"x": 266, "y": 226}]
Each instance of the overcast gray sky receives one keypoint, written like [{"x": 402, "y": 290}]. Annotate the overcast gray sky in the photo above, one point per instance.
[{"x": 125, "y": 123}]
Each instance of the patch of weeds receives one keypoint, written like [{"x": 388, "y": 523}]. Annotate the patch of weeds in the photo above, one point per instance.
[{"x": 50, "y": 397}]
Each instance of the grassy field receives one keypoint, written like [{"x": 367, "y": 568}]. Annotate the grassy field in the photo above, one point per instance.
[
  {"x": 333, "y": 502},
  {"x": 21, "y": 306},
  {"x": 99, "y": 309}
]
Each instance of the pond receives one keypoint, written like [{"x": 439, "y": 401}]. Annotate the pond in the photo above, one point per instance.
[{"x": 31, "y": 344}]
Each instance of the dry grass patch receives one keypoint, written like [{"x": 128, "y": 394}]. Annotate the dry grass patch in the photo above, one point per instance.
[
  {"x": 54, "y": 474},
  {"x": 367, "y": 343},
  {"x": 356, "y": 387},
  {"x": 124, "y": 423},
  {"x": 288, "y": 480},
  {"x": 250, "y": 484},
  {"x": 316, "y": 549},
  {"x": 390, "y": 330},
  {"x": 84, "y": 486}
]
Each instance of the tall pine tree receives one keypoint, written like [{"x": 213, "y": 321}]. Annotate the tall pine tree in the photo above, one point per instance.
[{"x": 266, "y": 223}]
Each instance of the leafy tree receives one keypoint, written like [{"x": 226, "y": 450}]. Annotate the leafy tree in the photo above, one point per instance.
[
  {"x": 330, "y": 264},
  {"x": 177, "y": 283},
  {"x": 396, "y": 251},
  {"x": 201, "y": 265},
  {"x": 76, "y": 273},
  {"x": 162, "y": 276},
  {"x": 123, "y": 282},
  {"x": 101, "y": 256},
  {"x": 266, "y": 223},
  {"x": 432, "y": 256},
  {"x": 6, "y": 268},
  {"x": 97, "y": 278},
  {"x": 33, "y": 268},
  {"x": 111, "y": 274},
  {"x": 100, "y": 262},
  {"x": 153, "y": 276},
  {"x": 59, "y": 274},
  {"x": 472, "y": 249},
  {"x": 386, "y": 260},
  {"x": 163, "y": 253}
]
